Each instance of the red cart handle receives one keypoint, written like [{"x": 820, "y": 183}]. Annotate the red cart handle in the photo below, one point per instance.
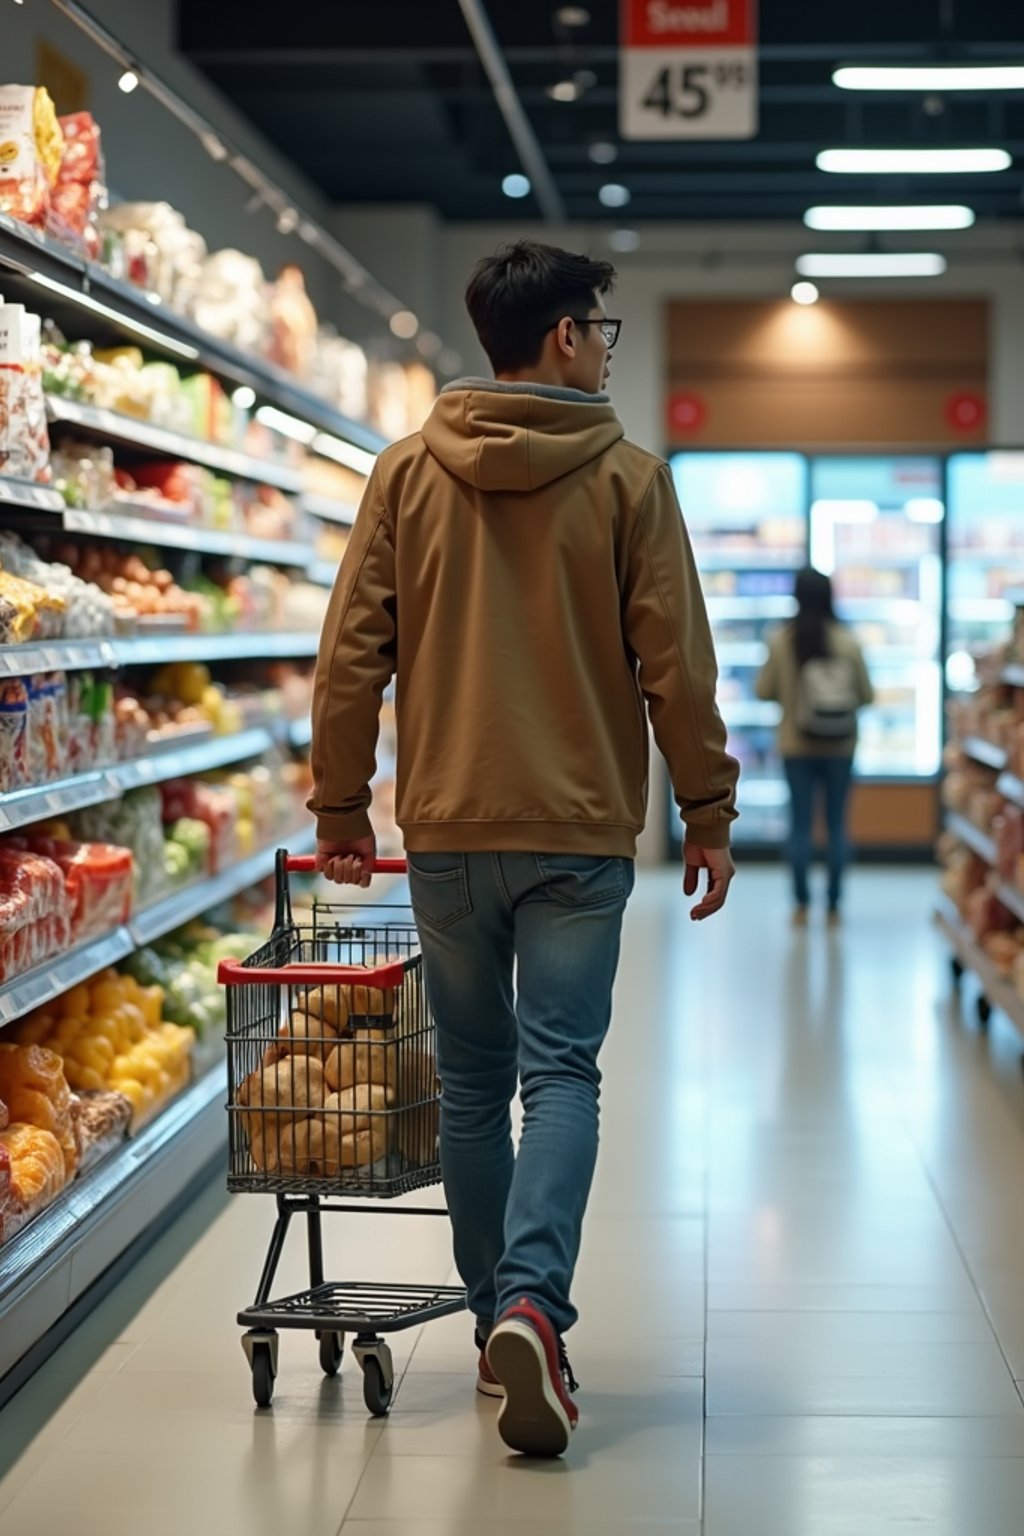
[
  {"x": 305, "y": 864},
  {"x": 231, "y": 973}
]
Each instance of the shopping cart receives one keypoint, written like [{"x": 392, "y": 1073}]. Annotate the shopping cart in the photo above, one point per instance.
[{"x": 332, "y": 1090}]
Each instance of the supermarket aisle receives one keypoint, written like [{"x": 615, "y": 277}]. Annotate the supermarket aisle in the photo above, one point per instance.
[{"x": 809, "y": 1221}]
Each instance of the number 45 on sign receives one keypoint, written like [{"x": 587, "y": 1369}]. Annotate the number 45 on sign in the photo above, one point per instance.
[{"x": 688, "y": 70}]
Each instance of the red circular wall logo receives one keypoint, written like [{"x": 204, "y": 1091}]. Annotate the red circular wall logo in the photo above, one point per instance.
[
  {"x": 965, "y": 411},
  {"x": 686, "y": 412}
]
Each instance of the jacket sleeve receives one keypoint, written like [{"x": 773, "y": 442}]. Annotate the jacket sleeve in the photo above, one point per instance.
[
  {"x": 769, "y": 683},
  {"x": 355, "y": 664},
  {"x": 666, "y": 627}
]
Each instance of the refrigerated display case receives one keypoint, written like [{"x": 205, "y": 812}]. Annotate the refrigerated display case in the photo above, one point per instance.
[
  {"x": 876, "y": 529},
  {"x": 985, "y": 553},
  {"x": 747, "y": 517}
]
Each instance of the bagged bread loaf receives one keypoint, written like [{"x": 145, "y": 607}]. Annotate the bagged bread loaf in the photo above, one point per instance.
[
  {"x": 101, "y": 1124},
  {"x": 362, "y": 1060},
  {"x": 329, "y": 1004},
  {"x": 35, "y": 1090},
  {"x": 307, "y": 1034},
  {"x": 419, "y": 1113}
]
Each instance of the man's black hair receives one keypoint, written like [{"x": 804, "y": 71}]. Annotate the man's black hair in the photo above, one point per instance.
[{"x": 517, "y": 294}]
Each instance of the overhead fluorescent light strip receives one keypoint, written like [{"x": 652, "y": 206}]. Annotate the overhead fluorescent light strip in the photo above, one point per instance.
[
  {"x": 872, "y": 264},
  {"x": 930, "y": 77},
  {"x": 912, "y": 162},
  {"x": 136, "y": 327},
  {"x": 921, "y": 216}
]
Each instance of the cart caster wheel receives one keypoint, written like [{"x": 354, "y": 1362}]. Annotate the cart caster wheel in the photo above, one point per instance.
[
  {"x": 262, "y": 1375},
  {"x": 958, "y": 971},
  {"x": 332, "y": 1347},
  {"x": 377, "y": 1392},
  {"x": 984, "y": 1011}
]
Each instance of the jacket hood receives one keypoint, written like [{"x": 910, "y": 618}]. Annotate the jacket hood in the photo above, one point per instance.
[{"x": 517, "y": 437}]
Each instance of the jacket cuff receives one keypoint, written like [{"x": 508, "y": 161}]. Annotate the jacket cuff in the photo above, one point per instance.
[
  {"x": 708, "y": 837},
  {"x": 342, "y": 827}
]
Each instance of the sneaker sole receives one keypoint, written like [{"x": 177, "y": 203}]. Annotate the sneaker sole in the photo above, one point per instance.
[
  {"x": 489, "y": 1388},
  {"x": 532, "y": 1420}
]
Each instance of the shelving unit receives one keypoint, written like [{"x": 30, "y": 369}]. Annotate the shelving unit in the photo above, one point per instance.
[
  {"x": 973, "y": 837},
  {"x": 985, "y": 752},
  {"x": 131, "y": 526},
  {"x": 329, "y": 511},
  {"x": 969, "y": 956},
  {"x": 153, "y": 651}
]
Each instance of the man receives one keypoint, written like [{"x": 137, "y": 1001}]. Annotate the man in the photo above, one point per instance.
[{"x": 526, "y": 574}]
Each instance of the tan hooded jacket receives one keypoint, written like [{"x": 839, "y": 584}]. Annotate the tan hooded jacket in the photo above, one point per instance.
[{"x": 525, "y": 573}]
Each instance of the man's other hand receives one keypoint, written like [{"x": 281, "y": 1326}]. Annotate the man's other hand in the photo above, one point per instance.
[
  {"x": 346, "y": 863},
  {"x": 720, "y": 868}
]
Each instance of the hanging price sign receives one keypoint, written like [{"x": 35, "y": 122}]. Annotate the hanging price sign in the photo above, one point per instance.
[{"x": 688, "y": 69}]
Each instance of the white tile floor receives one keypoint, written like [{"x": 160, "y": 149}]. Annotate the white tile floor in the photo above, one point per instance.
[{"x": 802, "y": 1288}]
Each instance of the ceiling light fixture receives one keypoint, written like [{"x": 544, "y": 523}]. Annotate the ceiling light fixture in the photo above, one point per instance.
[
  {"x": 516, "y": 185},
  {"x": 603, "y": 153},
  {"x": 287, "y": 221},
  {"x": 565, "y": 90},
  {"x": 872, "y": 264},
  {"x": 128, "y": 82},
  {"x": 930, "y": 77},
  {"x": 572, "y": 16},
  {"x": 244, "y": 397},
  {"x": 213, "y": 146},
  {"x": 922, "y": 216},
  {"x": 404, "y": 324},
  {"x": 804, "y": 293},
  {"x": 624, "y": 240},
  {"x": 614, "y": 195},
  {"x": 912, "y": 162}
]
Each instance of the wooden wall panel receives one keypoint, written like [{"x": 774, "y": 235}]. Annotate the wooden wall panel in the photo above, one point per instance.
[{"x": 864, "y": 371}]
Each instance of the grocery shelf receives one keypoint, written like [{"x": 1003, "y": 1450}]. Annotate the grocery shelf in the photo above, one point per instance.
[
  {"x": 323, "y": 572},
  {"x": 742, "y": 653},
  {"x": 749, "y": 712},
  {"x": 153, "y": 651},
  {"x": 720, "y": 559},
  {"x": 21, "y": 807},
  {"x": 985, "y": 752},
  {"x": 1014, "y": 675},
  {"x": 745, "y": 606},
  {"x": 973, "y": 958},
  {"x": 979, "y": 842},
  {"x": 1011, "y": 788},
  {"x": 132, "y": 526},
  {"x": 300, "y": 732},
  {"x": 180, "y": 907},
  {"x": 328, "y": 510},
  {"x": 58, "y": 282},
  {"x": 112, "y": 426},
  {"x": 59, "y": 974},
  {"x": 54, "y": 1260},
  {"x": 23, "y": 495}
]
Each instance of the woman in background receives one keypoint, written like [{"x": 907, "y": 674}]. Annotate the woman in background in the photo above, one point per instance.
[{"x": 816, "y": 671}]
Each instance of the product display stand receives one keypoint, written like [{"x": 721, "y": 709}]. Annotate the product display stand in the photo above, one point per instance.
[{"x": 980, "y": 926}]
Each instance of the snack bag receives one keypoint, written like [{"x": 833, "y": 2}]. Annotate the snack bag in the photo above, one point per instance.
[
  {"x": 31, "y": 147},
  {"x": 80, "y": 191}
]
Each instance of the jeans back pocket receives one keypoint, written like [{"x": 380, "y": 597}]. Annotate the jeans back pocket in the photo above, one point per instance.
[
  {"x": 582, "y": 880},
  {"x": 439, "y": 883}
]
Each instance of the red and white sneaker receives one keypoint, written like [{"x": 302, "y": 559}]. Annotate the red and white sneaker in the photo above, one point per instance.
[
  {"x": 528, "y": 1358},
  {"x": 486, "y": 1381}
]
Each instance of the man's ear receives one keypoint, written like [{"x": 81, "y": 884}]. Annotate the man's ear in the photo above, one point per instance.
[{"x": 566, "y": 336}]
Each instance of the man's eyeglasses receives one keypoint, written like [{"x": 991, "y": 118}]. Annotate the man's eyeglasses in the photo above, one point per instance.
[{"x": 609, "y": 328}]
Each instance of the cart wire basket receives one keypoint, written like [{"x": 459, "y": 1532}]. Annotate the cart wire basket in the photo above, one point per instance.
[{"x": 333, "y": 1091}]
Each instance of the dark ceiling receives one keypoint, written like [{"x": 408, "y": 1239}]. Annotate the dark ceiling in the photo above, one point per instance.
[{"x": 388, "y": 102}]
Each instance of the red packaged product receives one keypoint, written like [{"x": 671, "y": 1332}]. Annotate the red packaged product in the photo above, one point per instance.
[
  {"x": 80, "y": 191},
  {"x": 35, "y": 912},
  {"x": 98, "y": 878}
]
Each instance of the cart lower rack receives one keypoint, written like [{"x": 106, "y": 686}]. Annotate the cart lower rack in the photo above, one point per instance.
[{"x": 332, "y": 1091}]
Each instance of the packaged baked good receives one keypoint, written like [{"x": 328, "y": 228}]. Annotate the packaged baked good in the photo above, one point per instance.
[
  {"x": 37, "y": 1172},
  {"x": 81, "y": 190},
  {"x": 101, "y": 1122},
  {"x": 35, "y": 1090},
  {"x": 13, "y": 735},
  {"x": 98, "y": 878}
]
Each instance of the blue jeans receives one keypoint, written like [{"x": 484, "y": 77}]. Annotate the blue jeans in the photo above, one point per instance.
[
  {"x": 832, "y": 775},
  {"x": 556, "y": 919}
]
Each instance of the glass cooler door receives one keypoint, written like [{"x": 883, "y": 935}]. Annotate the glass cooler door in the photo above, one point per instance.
[
  {"x": 985, "y": 561},
  {"x": 747, "y": 517},
  {"x": 876, "y": 530}
]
